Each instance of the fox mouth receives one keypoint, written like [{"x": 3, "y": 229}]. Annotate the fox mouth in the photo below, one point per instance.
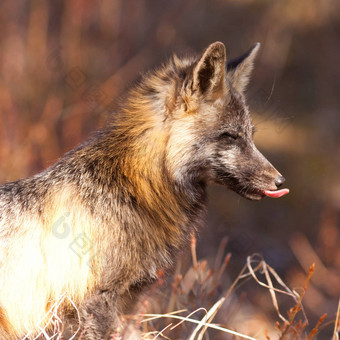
[
  {"x": 276, "y": 193},
  {"x": 249, "y": 190},
  {"x": 256, "y": 194}
]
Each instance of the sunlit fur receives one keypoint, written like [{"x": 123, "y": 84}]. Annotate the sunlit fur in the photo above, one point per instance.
[{"x": 102, "y": 222}]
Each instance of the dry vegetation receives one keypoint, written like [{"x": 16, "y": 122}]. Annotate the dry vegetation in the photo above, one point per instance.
[{"x": 188, "y": 306}]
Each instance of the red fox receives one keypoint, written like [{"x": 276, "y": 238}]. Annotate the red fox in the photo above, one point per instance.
[{"x": 109, "y": 215}]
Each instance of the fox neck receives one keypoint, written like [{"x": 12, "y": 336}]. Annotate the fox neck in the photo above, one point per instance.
[
  {"x": 146, "y": 173},
  {"x": 142, "y": 133},
  {"x": 132, "y": 158}
]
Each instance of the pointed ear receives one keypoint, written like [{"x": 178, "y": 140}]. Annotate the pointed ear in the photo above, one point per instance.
[
  {"x": 209, "y": 72},
  {"x": 239, "y": 69}
]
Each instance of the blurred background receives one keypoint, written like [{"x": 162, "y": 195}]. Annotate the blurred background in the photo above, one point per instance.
[{"x": 64, "y": 63}]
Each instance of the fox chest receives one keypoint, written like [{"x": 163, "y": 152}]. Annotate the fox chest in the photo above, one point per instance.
[{"x": 138, "y": 250}]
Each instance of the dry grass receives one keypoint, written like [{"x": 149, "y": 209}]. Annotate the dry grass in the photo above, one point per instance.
[
  {"x": 200, "y": 278},
  {"x": 157, "y": 317},
  {"x": 51, "y": 326}
]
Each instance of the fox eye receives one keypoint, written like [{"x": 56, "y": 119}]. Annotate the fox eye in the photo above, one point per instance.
[{"x": 229, "y": 135}]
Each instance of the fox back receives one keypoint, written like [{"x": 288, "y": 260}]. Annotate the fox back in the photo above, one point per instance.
[{"x": 101, "y": 223}]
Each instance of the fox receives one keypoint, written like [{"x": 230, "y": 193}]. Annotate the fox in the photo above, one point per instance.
[{"x": 102, "y": 222}]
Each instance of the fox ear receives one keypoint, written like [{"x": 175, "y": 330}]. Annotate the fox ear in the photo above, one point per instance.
[
  {"x": 209, "y": 72},
  {"x": 239, "y": 69}
]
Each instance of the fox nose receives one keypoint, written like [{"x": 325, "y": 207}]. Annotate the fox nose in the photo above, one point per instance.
[{"x": 279, "y": 181}]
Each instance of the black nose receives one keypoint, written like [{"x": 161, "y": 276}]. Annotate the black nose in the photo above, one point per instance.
[{"x": 279, "y": 181}]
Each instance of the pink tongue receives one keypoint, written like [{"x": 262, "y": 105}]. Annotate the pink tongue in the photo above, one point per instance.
[{"x": 276, "y": 193}]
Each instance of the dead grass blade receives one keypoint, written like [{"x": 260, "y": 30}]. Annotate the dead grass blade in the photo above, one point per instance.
[
  {"x": 193, "y": 251},
  {"x": 213, "y": 326},
  {"x": 220, "y": 252},
  {"x": 156, "y": 317},
  {"x": 267, "y": 270},
  {"x": 315, "y": 330},
  {"x": 337, "y": 324},
  {"x": 298, "y": 306},
  {"x": 161, "y": 332},
  {"x": 53, "y": 319},
  {"x": 206, "y": 320}
]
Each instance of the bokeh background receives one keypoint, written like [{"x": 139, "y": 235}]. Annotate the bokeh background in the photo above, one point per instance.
[{"x": 64, "y": 63}]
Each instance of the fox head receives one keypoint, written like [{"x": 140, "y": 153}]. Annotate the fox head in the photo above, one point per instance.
[
  {"x": 212, "y": 120},
  {"x": 210, "y": 133}
]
